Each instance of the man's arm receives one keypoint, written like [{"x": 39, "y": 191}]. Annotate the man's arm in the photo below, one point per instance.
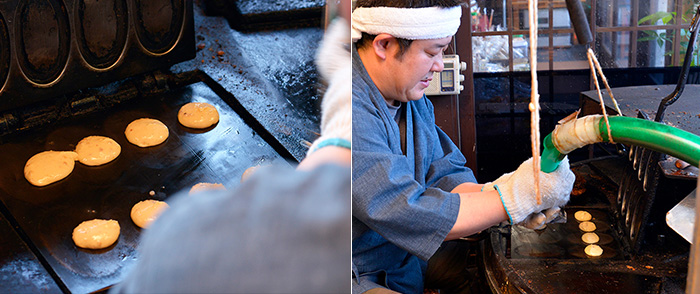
[
  {"x": 329, "y": 154},
  {"x": 468, "y": 187},
  {"x": 477, "y": 211}
]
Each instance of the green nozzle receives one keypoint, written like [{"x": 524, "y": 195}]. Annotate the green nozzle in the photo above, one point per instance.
[{"x": 634, "y": 131}]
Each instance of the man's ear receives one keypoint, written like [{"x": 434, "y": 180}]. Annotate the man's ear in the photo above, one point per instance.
[{"x": 382, "y": 44}]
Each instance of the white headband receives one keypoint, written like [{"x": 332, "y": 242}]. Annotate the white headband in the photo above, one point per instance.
[{"x": 406, "y": 23}]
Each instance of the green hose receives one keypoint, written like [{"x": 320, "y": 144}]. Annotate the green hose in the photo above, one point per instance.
[{"x": 634, "y": 131}]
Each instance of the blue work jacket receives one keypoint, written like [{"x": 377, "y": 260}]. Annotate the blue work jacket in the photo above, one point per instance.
[{"x": 402, "y": 209}]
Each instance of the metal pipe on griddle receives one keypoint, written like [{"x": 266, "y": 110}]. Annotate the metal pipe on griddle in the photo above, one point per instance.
[{"x": 671, "y": 98}]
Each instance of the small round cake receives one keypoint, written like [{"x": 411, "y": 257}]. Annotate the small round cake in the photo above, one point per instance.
[
  {"x": 147, "y": 211},
  {"x": 249, "y": 172},
  {"x": 49, "y": 166},
  {"x": 198, "y": 115},
  {"x": 146, "y": 132},
  {"x": 206, "y": 186},
  {"x": 587, "y": 226},
  {"x": 97, "y": 150},
  {"x": 593, "y": 250},
  {"x": 582, "y": 216},
  {"x": 590, "y": 238},
  {"x": 96, "y": 233}
]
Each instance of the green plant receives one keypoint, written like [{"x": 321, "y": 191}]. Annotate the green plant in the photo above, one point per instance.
[{"x": 667, "y": 18}]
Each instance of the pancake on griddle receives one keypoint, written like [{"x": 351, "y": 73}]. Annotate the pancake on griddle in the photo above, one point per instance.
[
  {"x": 96, "y": 233},
  {"x": 97, "y": 150},
  {"x": 198, "y": 115},
  {"x": 49, "y": 166},
  {"x": 146, "y": 132}
]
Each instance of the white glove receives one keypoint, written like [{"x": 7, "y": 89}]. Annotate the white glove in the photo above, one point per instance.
[
  {"x": 539, "y": 220},
  {"x": 517, "y": 190},
  {"x": 334, "y": 64}
]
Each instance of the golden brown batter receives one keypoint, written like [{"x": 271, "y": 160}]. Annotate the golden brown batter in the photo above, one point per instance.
[
  {"x": 146, "y": 132},
  {"x": 206, "y": 186},
  {"x": 249, "y": 172},
  {"x": 96, "y": 233},
  {"x": 593, "y": 250},
  {"x": 590, "y": 238},
  {"x": 587, "y": 226},
  {"x": 198, "y": 115},
  {"x": 145, "y": 212},
  {"x": 582, "y": 216},
  {"x": 97, "y": 150},
  {"x": 49, "y": 166}
]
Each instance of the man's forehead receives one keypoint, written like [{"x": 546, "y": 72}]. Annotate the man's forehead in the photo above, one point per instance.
[{"x": 437, "y": 43}]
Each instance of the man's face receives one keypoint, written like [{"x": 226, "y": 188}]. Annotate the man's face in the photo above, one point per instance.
[{"x": 412, "y": 72}]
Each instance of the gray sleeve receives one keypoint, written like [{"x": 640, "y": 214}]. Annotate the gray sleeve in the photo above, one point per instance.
[{"x": 281, "y": 231}]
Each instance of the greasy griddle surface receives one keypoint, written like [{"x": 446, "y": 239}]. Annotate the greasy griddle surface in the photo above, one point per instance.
[
  {"x": 563, "y": 241},
  {"x": 49, "y": 214},
  {"x": 20, "y": 270}
]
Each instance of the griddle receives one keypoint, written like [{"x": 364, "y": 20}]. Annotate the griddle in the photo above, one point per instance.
[
  {"x": 20, "y": 270},
  {"x": 272, "y": 74},
  {"x": 632, "y": 194},
  {"x": 262, "y": 83},
  {"x": 253, "y": 15},
  {"x": 47, "y": 215},
  {"x": 563, "y": 240},
  {"x": 641, "y": 254},
  {"x": 632, "y": 191},
  {"x": 557, "y": 265}
]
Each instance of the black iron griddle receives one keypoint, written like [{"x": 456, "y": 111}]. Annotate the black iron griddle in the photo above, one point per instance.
[
  {"x": 254, "y": 15},
  {"x": 563, "y": 241},
  {"x": 47, "y": 215},
  {"x": 20, "y": 270},
  {"x": 272, "y": 74},
  {"x": 644, "y": 255},
  {"x": 263, "y": 84},
  {"x": 554, "y": 262}
]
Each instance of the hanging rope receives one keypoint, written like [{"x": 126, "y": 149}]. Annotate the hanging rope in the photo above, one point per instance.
[
  {"x": 593, "y": 63},
  {"x": 605, "y": 81},
  {"x": 534, "y": 99}
]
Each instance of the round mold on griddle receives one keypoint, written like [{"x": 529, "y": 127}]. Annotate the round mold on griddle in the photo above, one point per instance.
[
  {"x": 578, "y": 251},
  {"x": 600, "y": 226},
  {"x": 4, "y": 52},
  {"x": 604, "y": 239},
  {"x": 42, "y": 42},
  {"x": 159, "y": 24},
  {"x": 550, "y": 236},
  {"x": 101, "y": 30}
]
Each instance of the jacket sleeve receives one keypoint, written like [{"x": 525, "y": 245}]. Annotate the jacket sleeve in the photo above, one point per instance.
[{"x": 385, "y": 195}]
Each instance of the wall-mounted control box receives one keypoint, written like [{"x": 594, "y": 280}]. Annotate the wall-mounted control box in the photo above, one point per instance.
[{"x": 449, "y": 80}]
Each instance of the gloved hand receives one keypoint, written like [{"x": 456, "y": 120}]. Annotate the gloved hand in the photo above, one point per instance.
[
  {"x": 517, "y": 190},
  {"x": 539, "y": 220},
  {"x": 334, "y": 65}
]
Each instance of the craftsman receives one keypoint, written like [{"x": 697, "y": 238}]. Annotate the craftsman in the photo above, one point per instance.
[{"x": 411, "y": 191}]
